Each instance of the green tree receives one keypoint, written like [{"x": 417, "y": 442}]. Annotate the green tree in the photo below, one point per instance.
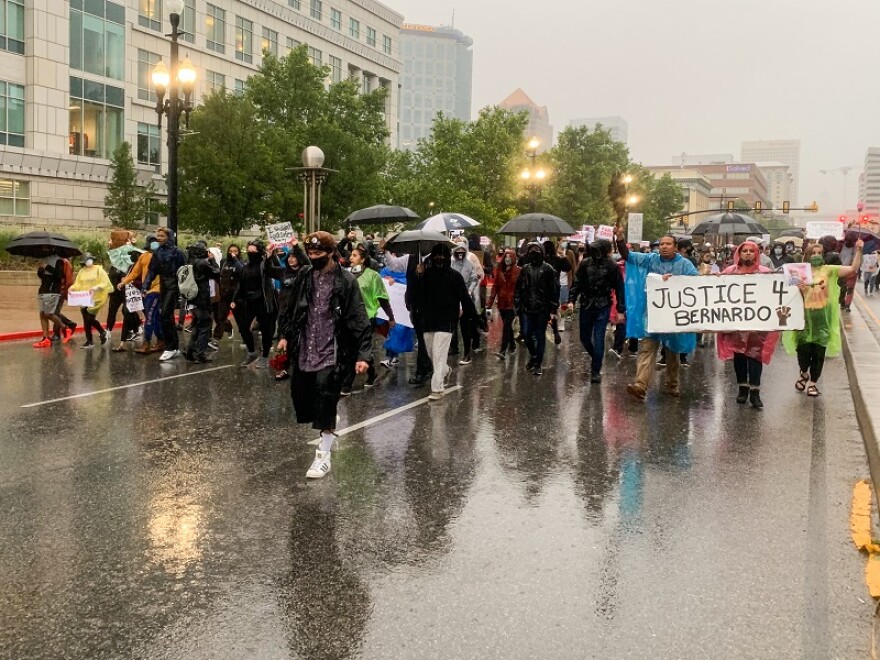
[
  {"x": 126, "y": 202},
  {"x": 663, "y": 199}
]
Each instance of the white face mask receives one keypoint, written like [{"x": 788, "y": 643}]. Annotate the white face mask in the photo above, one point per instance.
[
  {"x": 90, "y": 262},
  {"x": 508, "y": 261}
]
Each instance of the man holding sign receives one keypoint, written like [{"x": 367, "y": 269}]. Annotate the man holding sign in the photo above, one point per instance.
[{"x": 666, "y": 263}]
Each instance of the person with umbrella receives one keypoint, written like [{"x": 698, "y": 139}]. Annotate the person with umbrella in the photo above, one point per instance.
[
  {"x": 537, "y": 299},
  {"x": 51, "y": 273},
  {"x": 92, "y": 277}
]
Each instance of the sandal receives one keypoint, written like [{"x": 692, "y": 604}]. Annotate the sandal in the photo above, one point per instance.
[
  {"x": 282, "y": 375},
  {"x": 801, "y": 383},
  {"x": 812, "y": 390},
  {"x": 118, "y": 349}
]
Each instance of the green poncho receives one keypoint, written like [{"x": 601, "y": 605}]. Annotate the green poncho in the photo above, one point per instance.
[{"x": 821, "y": 312}]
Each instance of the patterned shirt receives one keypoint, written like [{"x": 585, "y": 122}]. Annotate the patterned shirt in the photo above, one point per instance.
[{"x": 318, "y": 341}]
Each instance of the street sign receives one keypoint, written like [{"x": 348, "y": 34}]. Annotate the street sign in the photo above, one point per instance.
[{"x": 634, "y": 225}]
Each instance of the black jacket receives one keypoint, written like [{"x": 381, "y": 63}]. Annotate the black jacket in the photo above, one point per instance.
[
  {"x": 438, "y": 295},
  {"x": 50, "y": 277},
  {"x": 285, "y": 293},
  {"x": 165, "y": 263},
  {"x": 269, "y": 269},
  {"x": 204, "y": 270},
  {"x": 230, "y": 272},
  {"x": 351, "y": 327},
  {"x": 537, "y": 290},
  {"x": 594, "y": 282}
]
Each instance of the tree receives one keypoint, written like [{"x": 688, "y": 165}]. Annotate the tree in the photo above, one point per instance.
[
  {"x": 126, "y": 202},
  {"x": 665, "y": 198}
]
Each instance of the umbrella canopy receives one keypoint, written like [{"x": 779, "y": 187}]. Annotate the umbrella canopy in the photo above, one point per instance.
[
  {"x": 799, "y": 233},
  {"x": 416, "y": 241},
  {"x": 444, "y": 222},
  {"x": 796, "y": 240},
  {"x": 537, "y": 224},
  {"x": 729, "y": 223},
  {"x": 380, "y": 214},
  {"x": 42, "y": 244}
]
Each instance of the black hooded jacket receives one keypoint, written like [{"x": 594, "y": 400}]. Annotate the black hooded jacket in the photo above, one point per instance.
[
  {"x": 204, "y": 270},
  {"x": 596, "y": 277},
  {"x": 285, "y": 294},
  {"x": 439, "y": 295},
  {"x": 269, "y": 269},
  {"x": 537, "y": 289}
]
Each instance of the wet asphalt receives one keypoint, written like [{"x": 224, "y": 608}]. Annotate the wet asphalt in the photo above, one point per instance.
[{"x": 520, "y": 517}]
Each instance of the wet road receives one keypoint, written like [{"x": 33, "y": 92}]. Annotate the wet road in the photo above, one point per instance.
[{"x": 520, "y": 517}]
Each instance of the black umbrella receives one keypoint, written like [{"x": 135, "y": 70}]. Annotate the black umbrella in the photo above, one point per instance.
[
  {"x": 380, "y": 214},
  {"x": 724, "y": 224},
  {"x": 799, "y": 233},
  {"x": 416, "y": 241},
  {"x": 42, "y": 244},
  {"x": 537, "y": 224}
]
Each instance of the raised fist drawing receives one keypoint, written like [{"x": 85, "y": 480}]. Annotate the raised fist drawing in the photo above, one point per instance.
[{"x": 783, "y": 313}]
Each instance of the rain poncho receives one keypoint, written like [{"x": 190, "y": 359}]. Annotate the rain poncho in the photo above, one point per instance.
[
  {"x": 756, "y": 345},
  {"x": 93, "y": 277},
  {"x": 638, "y": 266},
  {"x": 120, "y": 258},
  {"x": 821, "y": 313}
]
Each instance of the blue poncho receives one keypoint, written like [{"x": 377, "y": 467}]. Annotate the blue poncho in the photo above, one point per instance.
[{"x": 638, "y": 266}]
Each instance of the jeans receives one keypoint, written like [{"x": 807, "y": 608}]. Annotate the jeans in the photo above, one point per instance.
[
  {"x": 245, "y": 313},
  {"x": 748, "y": 370},
  {"x": 535, "y": 332},
  {"x": 470, "y": 336},
  {"x": 811, "y": 359},
  {"x": 593, "y": 323},
  {"x": 437, "y": 344},
  {"x": 152, "y": 322},
  {"x": 315, "y": 396},
  {"x": 201, "y": 321},
  {"x": 508, "y": 343}
]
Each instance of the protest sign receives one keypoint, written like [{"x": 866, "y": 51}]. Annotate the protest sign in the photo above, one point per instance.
[
  {"x": 797, "y": 274},
  {"x": 279, "y": 233},
  {"x": 869, "y": 262},
  {"x": 589, "y": 233},
  {"x": 820, "y": 229},
  {"x": 396, "y": 295},
  {"x": 484, "y": 241},
  {"x": 80, "y": 298},
  {"x": 134, "y": 299},
  {"x": 725, "y": 303},
  {"x": 634, "y": 228},
  {"x": 644, "y": 243},
  {"x": 765, "y": 239},
  {"x": 605, "y": 232}
]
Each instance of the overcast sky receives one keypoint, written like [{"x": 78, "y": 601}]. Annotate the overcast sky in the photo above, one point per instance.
[{"x": 689, "y": 75}]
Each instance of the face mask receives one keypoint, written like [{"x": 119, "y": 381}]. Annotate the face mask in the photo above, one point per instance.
[
  {"x": 508, "y": 261},
  {"x": 459, "y": 255},
  {"x": 154, "y": 246},
  {"x": 318, "y": 263},
  {"x": 90, "y": 262},
  {"x": 537, "y": 257},
  {"x": 438, "y": 261},
  {"x": 777, "y": 251},
  {"x": 357, "y": 270},
  {"x": 253, "y": 257},
  {"x": 817, "y": 261}
]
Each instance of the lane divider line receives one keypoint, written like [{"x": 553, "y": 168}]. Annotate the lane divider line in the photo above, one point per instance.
[{"x": 125, "y": 387}]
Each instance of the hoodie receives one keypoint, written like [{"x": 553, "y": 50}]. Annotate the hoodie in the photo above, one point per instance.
[
  {"x": 439, "y": 294},
  {"x": 166, "y": 261},
  {"x": 204, "y": 270},
  {"x": 505, "y": 282}
]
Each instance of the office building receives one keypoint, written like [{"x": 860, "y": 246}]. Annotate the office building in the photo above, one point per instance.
[
  {"x": 693, "y": 160},
  {"x": 617, "y": 126},
  {"x": 75, "y": 83},
  {"x": 869, "y": 182},
  {"x": 539, "y": 118},
  {"x": 437, "y": 76},
  {"x": 742, "y": 182},
  {"x": 779, "y": 180},
  {"x": 782, "y": 151},
  {"x": 697, "y": 189}
]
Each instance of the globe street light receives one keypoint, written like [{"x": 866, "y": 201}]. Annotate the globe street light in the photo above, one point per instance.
[{"x": 181, "y": 77}]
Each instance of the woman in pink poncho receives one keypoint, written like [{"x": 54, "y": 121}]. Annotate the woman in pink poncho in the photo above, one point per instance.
[{"x": 750, "y": 351}]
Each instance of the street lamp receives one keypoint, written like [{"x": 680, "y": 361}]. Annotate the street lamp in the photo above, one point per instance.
[
  {"x": 181, "y": 77},
  {"x": 533, "y": 176}
]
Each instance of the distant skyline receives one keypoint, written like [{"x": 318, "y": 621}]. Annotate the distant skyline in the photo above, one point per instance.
[{"x": 682, "y": 77}]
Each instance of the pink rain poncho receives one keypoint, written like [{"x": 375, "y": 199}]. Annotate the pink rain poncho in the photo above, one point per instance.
[{"x": 756, "y": 345}]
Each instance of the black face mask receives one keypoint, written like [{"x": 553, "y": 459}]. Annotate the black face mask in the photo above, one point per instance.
[
  {"x": 536, "y": 258},
  {"x": 254, "y": 257},
  {"x": 438, "y": 262},
  {"x": 459, "y": 255},
  {"x": 319, "y": 263}
]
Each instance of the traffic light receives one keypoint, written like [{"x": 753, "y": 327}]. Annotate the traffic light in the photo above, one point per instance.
[
  {"x": 814, "y": 207},
  {"x": 786, "y": 207},
  {"x": 731, "y": 205},
  {"x": 758, "y": 206},
  {"x": 865, "y": 219},
  {"x": 842, "y": 218}
]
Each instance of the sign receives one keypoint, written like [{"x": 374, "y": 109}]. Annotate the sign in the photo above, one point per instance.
[
  {"x": 418, "y": 28},
  {"x": 589, "y": 233},
  {"x": 605, "y": 232},
  {"x": 869, "y": 263},
  {"x": 797, "y": 273},
  {"x": 739, "y": 168},
  {"x": 726, "y": 303},
  {"x": 634, "y": 228},
  {"x": 396, "y": 295},
  {"x": 820, "y": 229},
  {"x": 279, "y": 233},
  {"x": 644, "y": 243},
  {"x": 765, "y": 238},
  {"x": 134, "y": 300},
  {"x": 80, "y": 299},
  {"x": 484, "y": 240}
]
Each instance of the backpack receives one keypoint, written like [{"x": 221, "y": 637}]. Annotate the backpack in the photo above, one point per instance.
[{"x": 186, "y": 282}]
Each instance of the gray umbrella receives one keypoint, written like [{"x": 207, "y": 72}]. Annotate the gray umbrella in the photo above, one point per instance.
[
  {"x": 537, "y": 224},
  {"x": 416, "y": 241},
  {"x": 380, "y": 214},
  {"x": 724, "y": 224}
]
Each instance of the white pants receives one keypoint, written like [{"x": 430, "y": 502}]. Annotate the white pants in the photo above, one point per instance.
[{"x": 437, "y": 344}]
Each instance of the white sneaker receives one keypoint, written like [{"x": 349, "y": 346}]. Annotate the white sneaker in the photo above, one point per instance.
[
  {"x": 435, "y": 396},
  {"x": 168, "y": 355},
  {"x": 386, "y": 363},
  {"x": 320, "y": 466}
]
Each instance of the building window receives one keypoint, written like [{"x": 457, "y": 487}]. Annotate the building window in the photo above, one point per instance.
[
  {"x": 150, "y": 14},
  {"x": 12, "y": 26},
  {"x": 335, "y": 69},
  {"x": 371, "y": 37},
  {"x": 244, "y": 39},
  {"x": 188, "y": 21},
  {"x": 149, "y": 140},
  {"x": 292, "y": 43},
  {"x": 15, "y": 197},
  {"x": 214, "y": 82},
  {"x": 386, "y": 44},
  {"x": 97, "y": 38},
  {"x": 11, "y": 114},
  {"x": 336, "y": 19},
  {"x": 97, "y": 118},
  {"x": 270, "y": 41},
  {"x": 315, "y": 56},
  {"x": 294, "y": 4},
  {"x": 239, "y": 87},
  {"x": 354, "y": 28},
  {"x": 215, "y": 26},
  {"x": 317, "y": 9},
  {"x": 146, "y": 62},
  {"x": 366, "y": 83}
]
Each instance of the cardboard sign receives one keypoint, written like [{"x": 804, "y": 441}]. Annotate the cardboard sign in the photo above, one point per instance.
[
  {"x": 797, "y": 274},
  {"x": 605, "y": 232},
  {"x": 589, "y": 233},
  {"x": 279, "y": 233},
  {"x": 820, "y": 229},
  {"x": 484, "y": 240},
  {"x": 134, "y": 299},
  {"x": 396, "y": 295},
  {"x": 727, "y": 303},
  {"x": 80, "y": 299},
  {"x": 634, "y": 225}
]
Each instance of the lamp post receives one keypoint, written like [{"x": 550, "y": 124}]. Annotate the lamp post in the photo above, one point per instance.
[
  {"x": 533, "y": 176},
  {"x": 181, "y": 77},
  {"x": 313, "y": 175}
]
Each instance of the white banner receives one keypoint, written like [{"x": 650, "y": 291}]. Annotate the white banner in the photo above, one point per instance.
[
  {"x": 725, "y": 303},
  {"x": 80, "y": 299},
  {"x": 605, "y": 232},
  {"x": 396, "y": 295},
  {"x": 279, "y": 233},
  {"x": 634, "y": 226},
  {"x": 820, "y": 229}
]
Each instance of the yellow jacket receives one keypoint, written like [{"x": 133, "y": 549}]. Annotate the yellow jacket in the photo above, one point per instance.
[
  {"x": 140, "y": 270},
  {"x": 93, "y": 277}
]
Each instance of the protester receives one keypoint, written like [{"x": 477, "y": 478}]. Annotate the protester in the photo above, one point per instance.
[
  {"x": 869, "y": 274},
  {"x": 346, "y": 245},
  {"x": 254, "y": 298},
  {"x": 395, "y": 273},
  {"x": 505, "y": 278},
  {"x": 166, "y": 261},
  {"x": 136, "y": 277},
  {"x": 619, "y": 320},
  {"x": 566, "y": 276},
  {"x": 562, "y": 266},
  {"x": 230, "y": 273},
  {"x": 820, "y": 337},
  {"x": 686, "y": 249},
  {"x": 205, "y": 269},
  {"x": 778, "y": 257},
  {"x": 67, "y": 327},
  {"x": 327, "y": 334},
  {"x": 120, "y": 248},
  {"x": 296, "y": 259},
  {"x": 51, "y": 274},
  {"x": 92, "y": 277},
  {"x": 667, "y": 261},
  {"x": 471, "y": 275},
  {"x": 597, "y": 278},
  {"x": 536, "y": 298},
  {"x": 424, "y": 365}
]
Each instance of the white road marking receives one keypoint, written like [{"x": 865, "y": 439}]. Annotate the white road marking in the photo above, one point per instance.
[{"x": 125, "y": 387}]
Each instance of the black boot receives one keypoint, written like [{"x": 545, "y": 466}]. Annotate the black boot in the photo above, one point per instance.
[
  {"x": 743, "y": 394},
  {"x": 755, "y": 398}
]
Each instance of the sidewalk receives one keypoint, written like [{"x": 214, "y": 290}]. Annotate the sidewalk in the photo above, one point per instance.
[{"x": 18, "y": 310}]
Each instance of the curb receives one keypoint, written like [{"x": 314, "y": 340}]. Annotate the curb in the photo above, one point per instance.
[{"x": 29, "y": 334}]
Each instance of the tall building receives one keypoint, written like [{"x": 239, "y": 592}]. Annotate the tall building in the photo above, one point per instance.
[
  {"x": 437, "y": 76},
  {"x": 869, "y": 182},
  {"x": 736, "y": 181},
  {"x": 697, "y": 189},
  {"x": 617, "y": 126},
  {"x": 75, "y": 83},
  {"x": 783, "y": 151},
  {"x": 693, "y": 160},
  {"x": 539, "y": 118},
  {"x": 779, "y": 181}
]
